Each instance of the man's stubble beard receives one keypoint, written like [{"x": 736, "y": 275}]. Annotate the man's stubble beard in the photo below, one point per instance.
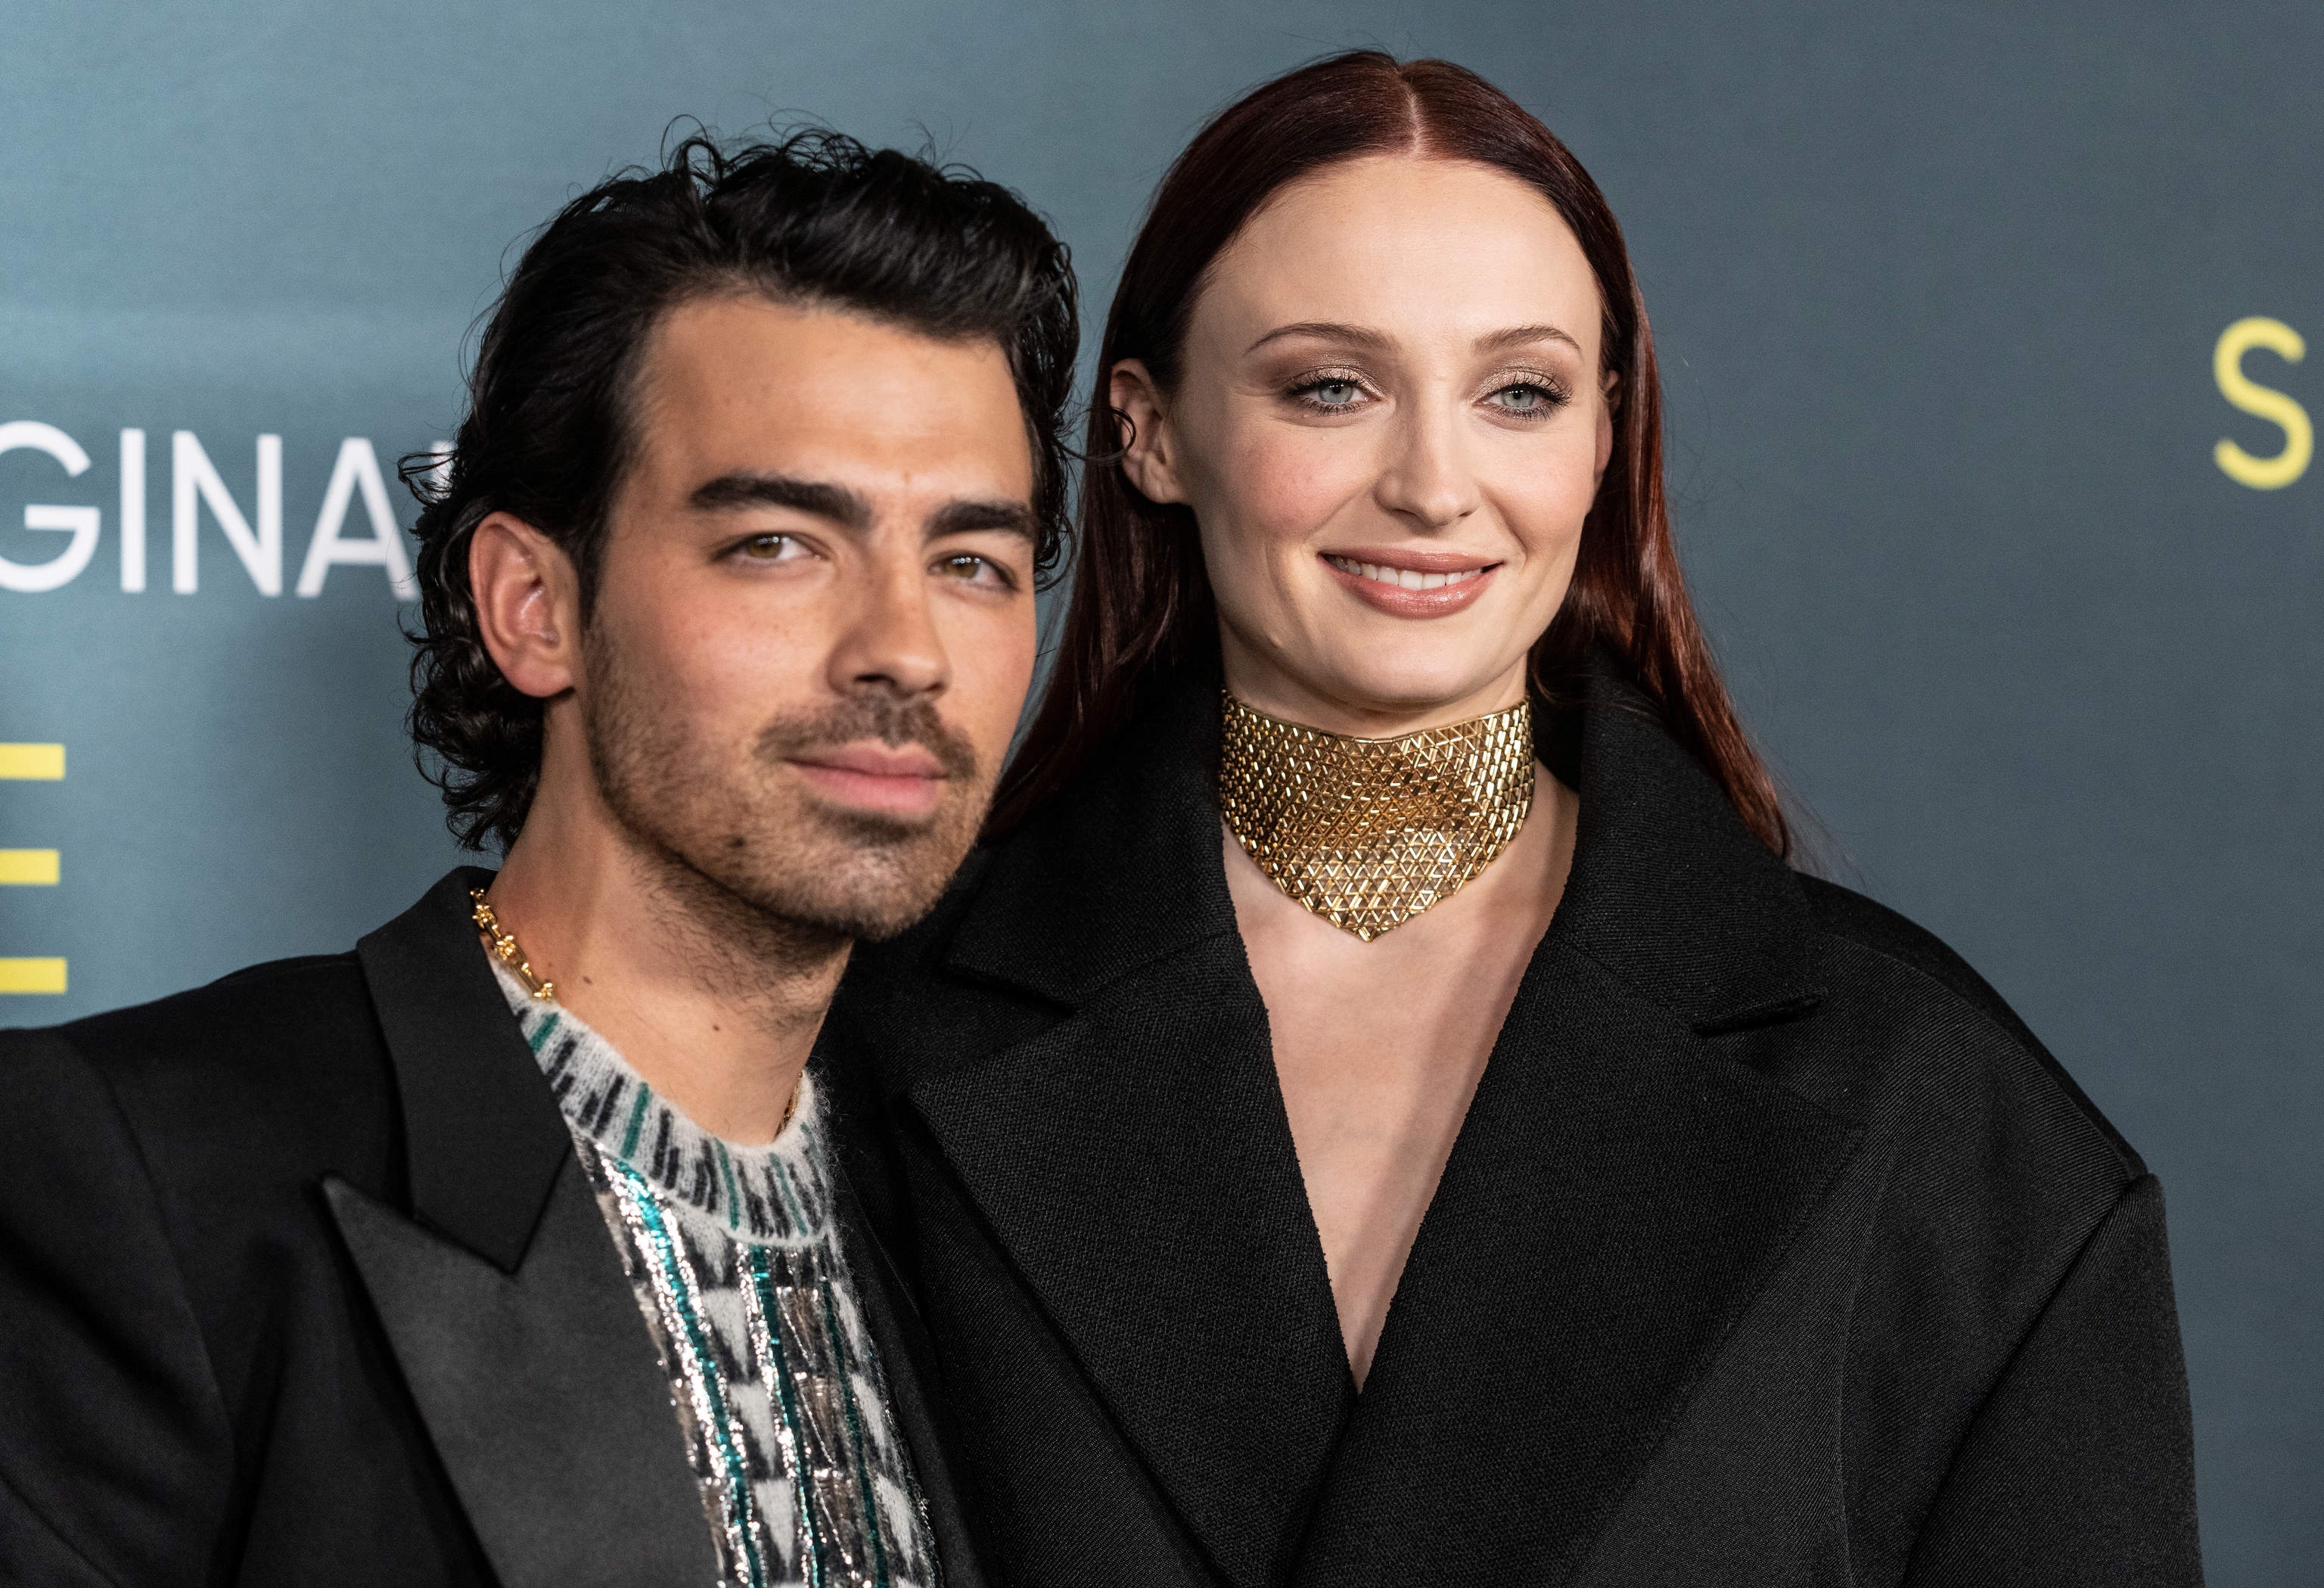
[{"x": 748, "y": 851}]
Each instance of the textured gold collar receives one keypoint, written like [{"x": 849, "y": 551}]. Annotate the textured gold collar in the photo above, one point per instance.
[{"x": 1368, "y": 832}]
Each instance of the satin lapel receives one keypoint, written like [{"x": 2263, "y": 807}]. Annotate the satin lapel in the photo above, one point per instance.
[
  {"x": 1621, "y": 1189},
  {"x": 501, "y": 1291},
  {"x": 1134, "y": 1157},
  {"x": 482, "y": 1134},
  {"x": 1614, "y": 1201},
  {"x": 542, "y": 1394}
]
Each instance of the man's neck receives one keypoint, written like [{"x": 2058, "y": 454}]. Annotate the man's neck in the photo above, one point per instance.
[{"x": 716, "y": 1005}]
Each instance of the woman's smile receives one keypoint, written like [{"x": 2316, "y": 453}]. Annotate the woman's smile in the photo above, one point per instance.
[{"x": 1412, "y": 582}]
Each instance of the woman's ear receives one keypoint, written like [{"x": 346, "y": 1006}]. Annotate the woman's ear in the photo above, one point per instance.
[
  {"x": 1607, "y": 409},
  {"x": 528, "y": 605},
  {"x": 1146, "y": 455}
]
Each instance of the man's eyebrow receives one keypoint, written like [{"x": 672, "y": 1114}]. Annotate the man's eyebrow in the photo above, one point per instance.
[
  {"x": 960, "y": 518},
  {"x": 816, "y": 498},
  {"x": 1519, "y": 335},
  {"x": 1327, "y": 330}
]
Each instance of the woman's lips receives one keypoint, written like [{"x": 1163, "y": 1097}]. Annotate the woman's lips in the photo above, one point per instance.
[
  {"x": 1412, "y": 582},
  {"x": 903, "y": 780}
]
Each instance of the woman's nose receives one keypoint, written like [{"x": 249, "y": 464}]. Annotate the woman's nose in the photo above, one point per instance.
[{"x": 1428, "y": 480}]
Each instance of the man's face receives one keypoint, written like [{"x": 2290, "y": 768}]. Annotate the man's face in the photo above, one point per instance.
[{"x": 813, "y": 627}]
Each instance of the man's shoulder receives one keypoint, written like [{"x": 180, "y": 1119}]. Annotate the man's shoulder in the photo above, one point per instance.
[
  {"x": 307, "y": 1005},
  {"x": 284, "y": 1059}
]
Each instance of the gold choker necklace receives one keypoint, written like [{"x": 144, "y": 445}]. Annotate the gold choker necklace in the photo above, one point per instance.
[{"x": 1368, "y": 832}]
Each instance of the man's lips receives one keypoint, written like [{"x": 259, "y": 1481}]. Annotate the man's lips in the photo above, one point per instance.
[
  {"x": 1412, "y": 581},
  {"x": 903, "y": 780}
]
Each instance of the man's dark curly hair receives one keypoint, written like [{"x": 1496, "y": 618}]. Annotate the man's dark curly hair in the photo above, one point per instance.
[{"x": 815, "y": 218}]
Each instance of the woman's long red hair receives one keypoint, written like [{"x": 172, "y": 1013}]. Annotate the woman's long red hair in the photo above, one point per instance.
[{"x": 1141, "y": 602}]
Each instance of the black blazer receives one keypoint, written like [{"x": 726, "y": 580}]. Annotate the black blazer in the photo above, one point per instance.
[
  {"x": 302, "y": 1284},
  {"x": 1772, "y": 1249}
]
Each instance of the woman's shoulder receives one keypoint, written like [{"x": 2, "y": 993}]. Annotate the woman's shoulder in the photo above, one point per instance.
[{"x": 1951, "y": 1054}]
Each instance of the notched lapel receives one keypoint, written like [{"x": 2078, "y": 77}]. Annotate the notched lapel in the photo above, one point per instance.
[
  {"x": 483, "y": 1138},
  {"x": 1132, "y": 1154},
  {"x": 1617, "y": 1198},
  {"x": 1136, "y": 1163},
  {"x": 542, "y": 1392}
]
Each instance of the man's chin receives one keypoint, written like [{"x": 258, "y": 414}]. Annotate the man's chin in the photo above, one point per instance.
[
  {"x": 870, "y": 912},
  {"x": 862, "y": 875}
]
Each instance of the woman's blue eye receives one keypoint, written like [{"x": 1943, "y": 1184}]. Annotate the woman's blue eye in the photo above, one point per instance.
[
  {"x": 1525, "y": 399},
  {"x": 1336, "y": 394}
]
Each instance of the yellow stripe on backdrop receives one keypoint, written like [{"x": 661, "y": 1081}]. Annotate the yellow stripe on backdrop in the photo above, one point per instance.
[
  {"x": 32, "y": 975},
  {"x": 27, "y": 868},
  {"x": 37, "y": 762},
  {"x": 36, "y": 868}
]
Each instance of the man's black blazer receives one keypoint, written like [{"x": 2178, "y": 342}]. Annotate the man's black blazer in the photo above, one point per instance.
[
  {"x": 1772, "y": 1249},
  {"x": 300, "y": 1284}
]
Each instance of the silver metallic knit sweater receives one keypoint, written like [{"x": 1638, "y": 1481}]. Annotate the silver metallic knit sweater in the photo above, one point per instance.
[{"x": 735, "y": 1256}]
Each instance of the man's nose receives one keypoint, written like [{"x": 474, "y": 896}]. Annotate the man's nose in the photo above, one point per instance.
[{"x": 887, "y": 638}]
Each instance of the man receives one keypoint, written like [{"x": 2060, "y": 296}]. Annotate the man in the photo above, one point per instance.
[{"x": 509, "y": 1247}]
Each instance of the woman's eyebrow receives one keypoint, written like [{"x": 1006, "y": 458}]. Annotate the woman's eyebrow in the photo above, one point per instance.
[
  {"x": 1519, "y": 336},
  {"x": 1326, "y": 330},
  {"x": 1364, "y": 337}
]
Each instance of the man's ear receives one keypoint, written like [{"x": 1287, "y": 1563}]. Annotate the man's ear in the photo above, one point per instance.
[
  {"x": 528, "y": 605},
  {"x": 1147, "y": 456}
]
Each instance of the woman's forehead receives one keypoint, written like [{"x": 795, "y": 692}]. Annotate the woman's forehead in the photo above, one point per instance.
[{"x": 1401, "y": 245}]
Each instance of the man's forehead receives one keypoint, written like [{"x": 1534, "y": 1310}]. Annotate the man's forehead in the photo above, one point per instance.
[
  {"x": 745, "y": 385},
  {"x": 745, "y": 337}
]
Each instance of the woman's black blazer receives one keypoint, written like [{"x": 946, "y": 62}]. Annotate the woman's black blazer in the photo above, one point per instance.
[{"x": 1773, "y": 1248}]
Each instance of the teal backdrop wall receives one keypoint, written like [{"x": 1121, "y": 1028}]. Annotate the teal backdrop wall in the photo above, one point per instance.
[{"x": 1940, "y": 291}]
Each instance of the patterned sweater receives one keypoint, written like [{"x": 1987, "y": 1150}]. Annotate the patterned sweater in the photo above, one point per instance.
[{"x": 735, "y": 1256}]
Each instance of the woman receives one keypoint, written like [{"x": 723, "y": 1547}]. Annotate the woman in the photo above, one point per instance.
[{"x": 1380, "y": 1107}]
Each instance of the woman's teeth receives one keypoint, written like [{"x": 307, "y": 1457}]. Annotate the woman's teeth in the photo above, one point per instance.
[{"x": 1404, "y": 578}]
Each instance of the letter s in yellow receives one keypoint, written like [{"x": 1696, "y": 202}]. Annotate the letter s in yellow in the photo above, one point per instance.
[{"x": 2262, "y": 474}]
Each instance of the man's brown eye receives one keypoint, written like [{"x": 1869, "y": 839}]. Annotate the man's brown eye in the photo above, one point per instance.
[{"x": 766, "y": 548}]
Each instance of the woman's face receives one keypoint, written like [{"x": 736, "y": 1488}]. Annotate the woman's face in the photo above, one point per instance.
[{"x": 1390, "y": 424}]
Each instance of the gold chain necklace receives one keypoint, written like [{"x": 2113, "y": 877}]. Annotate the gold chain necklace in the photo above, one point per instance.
[
  {"x": 506, "y": 949},
  {"x": 1368, "y": 832}
]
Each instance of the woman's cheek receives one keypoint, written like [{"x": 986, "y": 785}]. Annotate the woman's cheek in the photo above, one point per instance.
[
  {"x": 1548, "y": 503},
  {"x": 1288, "y": 486}
]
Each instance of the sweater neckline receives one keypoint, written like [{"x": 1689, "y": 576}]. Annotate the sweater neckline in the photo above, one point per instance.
[{"x": 777, "y": 1193}]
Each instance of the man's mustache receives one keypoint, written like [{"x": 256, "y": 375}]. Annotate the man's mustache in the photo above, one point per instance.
[{"x": 872, "y": 716}]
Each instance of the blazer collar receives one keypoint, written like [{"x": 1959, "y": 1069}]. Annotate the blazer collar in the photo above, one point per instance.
[
  {"x": 501, "y": 1295},
  {"x": 504, "y": 1301},
  {"x": 1121, "y": 872},
  {"x": 1669, "y": 891},
  {"x": 1618, "y": 1188},
  {"x": 1133, "y": 1154},
  {"x": 483, "y": 1138}
]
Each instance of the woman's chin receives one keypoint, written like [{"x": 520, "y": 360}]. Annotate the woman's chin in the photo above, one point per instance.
[{"x": 1373, "y": 697}]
